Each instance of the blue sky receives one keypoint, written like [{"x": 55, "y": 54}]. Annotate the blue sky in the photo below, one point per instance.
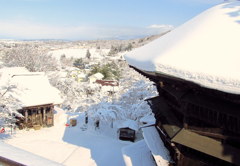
[{"x": 94, "y": 19}]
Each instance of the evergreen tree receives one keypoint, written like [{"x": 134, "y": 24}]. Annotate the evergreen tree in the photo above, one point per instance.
[
  {"x": 88, "y": 54},
  {"x": 110, "y": 71},
  {"x": 79, "y": 63}
]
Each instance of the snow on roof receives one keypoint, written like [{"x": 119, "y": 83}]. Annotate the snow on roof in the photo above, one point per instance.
[
  {"x": 7, "y": 72},
  {"x": 29, "y": 88},
  {"x": 97, "y": 76},
  {"x": 23, "y": 157},
  {"x": 204, "y": 50},
  {"x": 133, "y": 154},
  {"x": 128, "y": 124},
  {"x": 156, "y": 146}
]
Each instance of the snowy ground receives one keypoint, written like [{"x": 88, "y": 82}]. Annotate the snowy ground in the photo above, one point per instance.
[
  {"x": 79, "y": 53},
  {"x": 71, "y": 145}
]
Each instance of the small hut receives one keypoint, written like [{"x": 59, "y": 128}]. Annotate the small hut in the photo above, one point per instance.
[
  {"x": 127, "y": 130},
  {"x": 35, "y": 95}
]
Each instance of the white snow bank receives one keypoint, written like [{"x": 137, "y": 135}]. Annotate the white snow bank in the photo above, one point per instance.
[
  {"x": 23, "y": 157},
  {"x": 128, "y": 124},
  {"x": 156, "y": 146},
  {"x": 29, "y": 88},
  {"x": 205, "y": 50},
  {"x": 137, "y": 154}
]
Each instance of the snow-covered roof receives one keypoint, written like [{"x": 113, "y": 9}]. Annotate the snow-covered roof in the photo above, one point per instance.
[
  {"x": 128, "y": 124},
  {"x": 29, "y": 88},
  {"x": 156, "y": 146},
  {"x": 204, "y": 50},
  {"x": 8, "y": 71},
  {"x": 23, "y": 157},
  {"x": 97, "y": 76}
]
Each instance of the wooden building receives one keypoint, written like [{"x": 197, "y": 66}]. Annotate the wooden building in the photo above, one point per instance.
[
  {"x": 196, "y": 68},
  {"x": 36, "y": 116},
  {"x": 127, "y": 134},
  {"x": 127, "y": 130},
  {"x": 199, "y": 126},
  {"x": 34, "y": 95}
]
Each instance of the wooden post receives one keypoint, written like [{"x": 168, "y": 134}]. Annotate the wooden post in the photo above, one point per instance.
[
  {"x": 39, "y": 116},
  {"x": 52, "y": 112},
  {"x": 26, "y": 116},
  {"x": 44, "y": 116},
  {"x": 36, "y": 116}
]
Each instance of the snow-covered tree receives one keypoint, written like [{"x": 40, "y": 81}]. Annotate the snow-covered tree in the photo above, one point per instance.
[
  {"x": 129, "y": 102},
  {"x": 8, "y": 108},
  {"x": 30, "y": 57},
  {"x": 66, "y": 61},
  {"x": 88, "y": 54}
]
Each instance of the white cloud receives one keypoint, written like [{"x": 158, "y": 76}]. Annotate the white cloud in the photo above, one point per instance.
[
  {"x": 30, "y": 30},
  {"x": 156, "y": 26},
  {"x": 203, "y": 1}
]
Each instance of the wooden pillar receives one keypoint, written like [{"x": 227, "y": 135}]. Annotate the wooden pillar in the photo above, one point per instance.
[
  {"x": 44, "y": 116},
  {"x": 31, "y": 118},
  {"x": 39, "y": 116},
  {"x": 52, "y": 112},
  {"x": 36, "y": 116},
  {"x": 26, "y": 116}
]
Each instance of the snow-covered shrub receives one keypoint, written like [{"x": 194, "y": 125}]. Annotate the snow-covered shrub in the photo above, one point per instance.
[{"x": 8, "y": 111}]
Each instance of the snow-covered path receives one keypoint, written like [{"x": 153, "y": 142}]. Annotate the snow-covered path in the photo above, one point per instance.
[
  {"x": 70, "y": 146},
  {"x": 103, "y": 150}
]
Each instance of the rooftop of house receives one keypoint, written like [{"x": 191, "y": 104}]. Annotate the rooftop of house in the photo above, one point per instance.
[
  {"x": 131, "y": 124},
  {"x": 204, "y": 50},
  {"x": 29, "y": 88}
]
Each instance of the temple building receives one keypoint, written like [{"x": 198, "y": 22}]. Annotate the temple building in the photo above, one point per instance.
[
  {"x": 34, "y": 95},
  {"x": 195, "y": 68}
]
